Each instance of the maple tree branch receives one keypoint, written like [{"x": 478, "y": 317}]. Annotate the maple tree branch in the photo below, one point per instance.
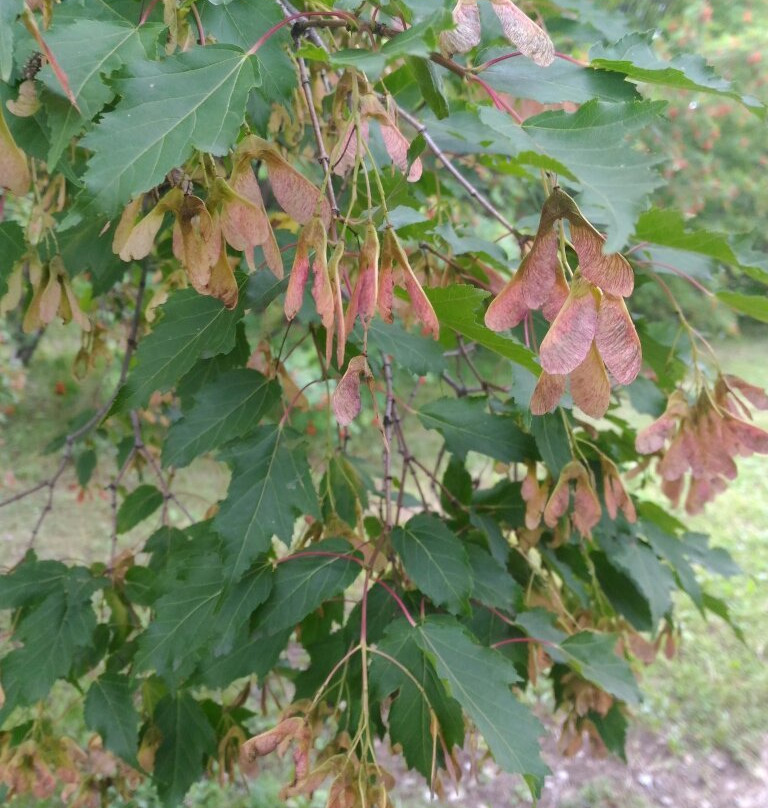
[
  {"x": 473, "y": 192},
  {"x": 322, "y": 153}
]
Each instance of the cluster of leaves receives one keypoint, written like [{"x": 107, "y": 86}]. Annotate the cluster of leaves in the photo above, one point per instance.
[{"x": 191, "y": 150}]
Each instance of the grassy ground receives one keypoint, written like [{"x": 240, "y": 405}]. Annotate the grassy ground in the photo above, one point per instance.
[{"x": 706, "y": 711}]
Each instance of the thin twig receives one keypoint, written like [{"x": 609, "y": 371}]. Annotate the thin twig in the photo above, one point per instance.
[
  {"x": 322, "y": 154},
  {"x": 141, "y": 448},
  {"x": 473, "y": 192}
]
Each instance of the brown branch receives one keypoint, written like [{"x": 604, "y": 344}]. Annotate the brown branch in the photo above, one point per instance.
[
  {"x": 322, "y": 154},
  {"x": 473, "y": 192}
]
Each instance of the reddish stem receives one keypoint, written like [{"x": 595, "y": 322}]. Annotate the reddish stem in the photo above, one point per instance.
[
  {"x": 147, "y": 11},
  {"x": 679, "y": 273},
  {"x": 492, "y": 62},
  {"x": 199, "y": 24},
  {"x": 498, "y": 101},
  {"x": 568, "y": 58}
]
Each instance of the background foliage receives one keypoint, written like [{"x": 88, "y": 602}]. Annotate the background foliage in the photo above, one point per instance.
[{"x": 379, "y": 574}]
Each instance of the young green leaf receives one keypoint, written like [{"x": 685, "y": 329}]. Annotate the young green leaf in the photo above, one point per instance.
[
  {"x": 191, "y": 100},
  {"x": 435, "y": 561},
  {"x": 141, "y": 503},
  {"x": 270, "y": 486},
  {"x": 479, "y": 679},
  {"x": 229, "y": 408}
]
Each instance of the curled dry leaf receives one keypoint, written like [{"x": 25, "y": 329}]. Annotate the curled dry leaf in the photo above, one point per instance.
[
  {"x": 508, "y": 308},
  {"x": 14, "y": 173},
  {"x": 653, "y": 437},
  {"x": 728, "y": 385},
  {"x": 196, "y": 240},
  {"x": 26, "y": 103},
  {"x": 395, "y": 267},
  {"x": 244, "y": 220},
  {"x": 338, "y": 326},
  {"x": 222, "y": 283},
  {"x": 586, "y": 505},
  {"x": 570, "y": 337},
  {"x": 466, "y": 33},
  {"x": 535, "y": 496},
  {"x": 273, "y": 739},
  {"x": 703, "y": 440},
  {"x": 346, "y": 397},
  {"x": 134, "y": 241},
  {"x": 523, "y": 32},
  {"x": 615, "y": 495},
  {"x": 357, "y": 130}
]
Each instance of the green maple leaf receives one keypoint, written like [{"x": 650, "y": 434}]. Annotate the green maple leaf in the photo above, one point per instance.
[
  {"x": 192, "y": 326},
  {"x": 633, "y": 56},
  {"x": 458, "y": 307},
  {"x": 593, "y": 656},
  {"x": 271, "y": 485},
  {"x": 187, "y": 738},
  {"x": 109, "y": 710},
  {"x": 183, "y": 621},
  {"x": 410, "y": 715},
  {"x": 228, "y": 408},
  {"x": 466, "y": 425},
  {"x": 52, "y": 633},
  {"x": 479, "y": 679},
  {"x": 594, "y": 146},
  {"x": 301, "y": 584},
  {"x": 435, "y": 560},
  {"x": 192, "y": 100},
  {"x": 89, "y": 51}
]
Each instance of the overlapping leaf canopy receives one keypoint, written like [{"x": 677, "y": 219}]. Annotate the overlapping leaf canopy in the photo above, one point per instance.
[{"x": 445, "y": 548}]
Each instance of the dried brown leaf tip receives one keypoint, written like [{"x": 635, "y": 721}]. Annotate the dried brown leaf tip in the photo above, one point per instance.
[
  {"x": 697, "y": 444},
  {"x": 517, "y": 27},
  {"x": 346, "y": 399}
]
